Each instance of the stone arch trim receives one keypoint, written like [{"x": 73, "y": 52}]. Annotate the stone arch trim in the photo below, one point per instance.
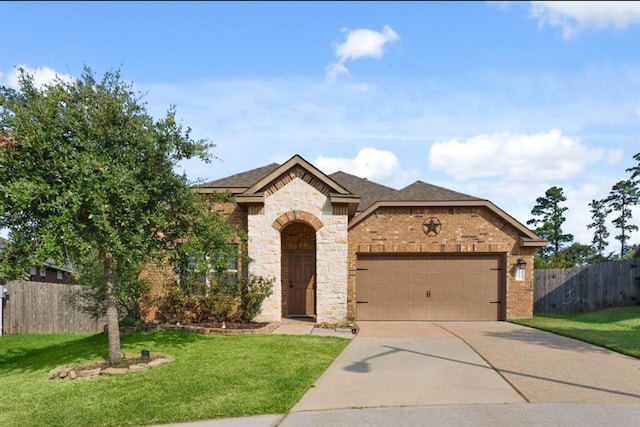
[{"x": 297, "y": 216}]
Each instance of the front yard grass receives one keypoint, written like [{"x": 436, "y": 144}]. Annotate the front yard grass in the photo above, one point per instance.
[
  {"x": 212, "y": 376},
  {"x": 617, "y": 329}
]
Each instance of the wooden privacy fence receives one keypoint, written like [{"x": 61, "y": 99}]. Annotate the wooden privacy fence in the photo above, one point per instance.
[
  {"x": 592, "y": 287},
  {"x": 40, "y": 308}
]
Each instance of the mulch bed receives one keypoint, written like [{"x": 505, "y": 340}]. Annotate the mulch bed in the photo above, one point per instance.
[
  {"x": 228, "y": 325},
  {"x": 209, "y": 328}
]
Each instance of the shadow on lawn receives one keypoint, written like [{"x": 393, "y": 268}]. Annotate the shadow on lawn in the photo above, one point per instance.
[
  {"x": 163, "y": 339},
  {"x": 26, "y": 358}
]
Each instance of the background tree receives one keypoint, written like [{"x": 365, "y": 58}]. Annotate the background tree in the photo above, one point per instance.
[
  {"x": 87, "y": 177},
  {"x": 635, "y": 170},
  {"x": 548, "y": 219},
  {"x": 623, "y": 195},
  {"x": 574, "y": 255},
  {"x": 599, "y": 212}
]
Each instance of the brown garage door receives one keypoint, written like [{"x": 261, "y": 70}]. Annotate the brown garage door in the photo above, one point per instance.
[{"x": 418, "y": 287}]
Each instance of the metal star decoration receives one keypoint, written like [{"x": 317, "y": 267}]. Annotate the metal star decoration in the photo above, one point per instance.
[{"x": 431, "y": 226}]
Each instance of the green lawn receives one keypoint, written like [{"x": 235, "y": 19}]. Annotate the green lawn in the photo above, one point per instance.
[
  {"x": 617, "y": 329},
  {"x": 213, "y": 376}
]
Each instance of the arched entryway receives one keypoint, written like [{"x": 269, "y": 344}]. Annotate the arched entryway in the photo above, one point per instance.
[{"x": 298, "y": 266}]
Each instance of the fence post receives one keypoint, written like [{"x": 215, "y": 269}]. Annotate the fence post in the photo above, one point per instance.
[{"x": 4, "y": 295}]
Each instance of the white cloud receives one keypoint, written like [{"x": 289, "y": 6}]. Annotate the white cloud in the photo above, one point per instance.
[
  {"x": 334, "y": 70},
  {"x": 363, "y": 42},
  {"x": 638, "y": 112},
  {"x": 378, "y": 165},
  {"x": 614, "y": 157},
  {"x": 41, "y": 76},
  {"x": 573, "y": 16},
  {"x": 360, "y": 43},
  {"x": 521, "y": 157}
]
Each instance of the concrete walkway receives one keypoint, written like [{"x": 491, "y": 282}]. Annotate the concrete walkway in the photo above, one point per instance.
[
  {"x": 307, "y": 327},
  {"x": 463, "y": 374}
]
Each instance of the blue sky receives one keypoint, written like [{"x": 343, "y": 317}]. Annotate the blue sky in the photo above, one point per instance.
[{"x": 495, "y": 99}]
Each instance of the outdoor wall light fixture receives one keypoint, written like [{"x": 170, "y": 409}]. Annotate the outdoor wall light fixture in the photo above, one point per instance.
[{"x": 521, "y": 266}]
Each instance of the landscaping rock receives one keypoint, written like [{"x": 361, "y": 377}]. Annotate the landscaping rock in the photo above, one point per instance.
[
  {"x": 60, "y": 372},
  {"x": 114, "y": 371},
  {"x": 158, "y": 362},
  {"x": 99, "y": 368},
  {"x": 89, "y": 373},
  {"x": 137, "y": 368}
]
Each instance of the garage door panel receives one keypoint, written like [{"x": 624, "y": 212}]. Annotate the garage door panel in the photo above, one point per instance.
[
  {"x": 418, "y": 295},
  {"x": 422, "y": 287},
  {"x": 476, "y": 296},
  {"x": 393, "y": 313},
  {"x": 436, "y": 313},
  {"x": 366, "y": 312},
  {"x": 365, "y": 295},
  {"x": 417, "y": 313},
  {"x": 455, "y": 296},
  {"x": 418, "y": 278},
  {"x": 401, "y": 296},
  {"x": 383, "y": 297}
]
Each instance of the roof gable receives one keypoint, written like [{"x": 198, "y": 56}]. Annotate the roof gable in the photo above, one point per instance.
[{"x": 298, "y": 165}]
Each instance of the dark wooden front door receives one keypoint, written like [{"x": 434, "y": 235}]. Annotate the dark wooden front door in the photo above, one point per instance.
[{"x": 302, "y": 283}]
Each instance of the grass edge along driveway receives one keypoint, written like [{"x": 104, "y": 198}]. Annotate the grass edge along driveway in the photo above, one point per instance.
[
  {"x": 617, "y": 329},
  {"x": 212, "y": 377}
]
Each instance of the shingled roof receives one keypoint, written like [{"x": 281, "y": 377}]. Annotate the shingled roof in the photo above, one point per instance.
[
  {"x": 369, "y": 192},
  {"x": 242, "y": 180},
  {"x": 361, "y": 195},
  {"x": 421, "y": 191}
]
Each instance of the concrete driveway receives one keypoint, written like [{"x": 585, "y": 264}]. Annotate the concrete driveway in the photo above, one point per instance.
[
  {"x": 476, "y": 374},
  {"x": 459, "y": 363},
  {"x": 465, "y": 374}
]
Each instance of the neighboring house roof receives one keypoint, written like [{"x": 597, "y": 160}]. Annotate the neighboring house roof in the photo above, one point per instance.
[
  {"x": 362, "y": 195},
  {"x": 49, "y": 263}
]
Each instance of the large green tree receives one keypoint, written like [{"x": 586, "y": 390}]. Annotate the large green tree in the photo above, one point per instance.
[
  {"x": 623, "y": 195},
  {"x": 88, "y": 177},
  {"x": 548, "y": 219}
]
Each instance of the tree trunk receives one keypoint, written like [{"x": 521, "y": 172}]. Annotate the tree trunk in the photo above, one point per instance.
[{"x": 113, "y": 327}]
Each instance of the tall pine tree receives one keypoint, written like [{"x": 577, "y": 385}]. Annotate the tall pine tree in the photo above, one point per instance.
[
  {"x": 623, "y": 195},
  {"x": 599, "y": 212},
  {"x": 548, "y": 219}
]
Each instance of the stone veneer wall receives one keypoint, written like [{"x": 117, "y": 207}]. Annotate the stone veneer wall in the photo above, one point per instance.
[
  {"x": 463, "y": 230},
  {"x": 298, "y": 200}
]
